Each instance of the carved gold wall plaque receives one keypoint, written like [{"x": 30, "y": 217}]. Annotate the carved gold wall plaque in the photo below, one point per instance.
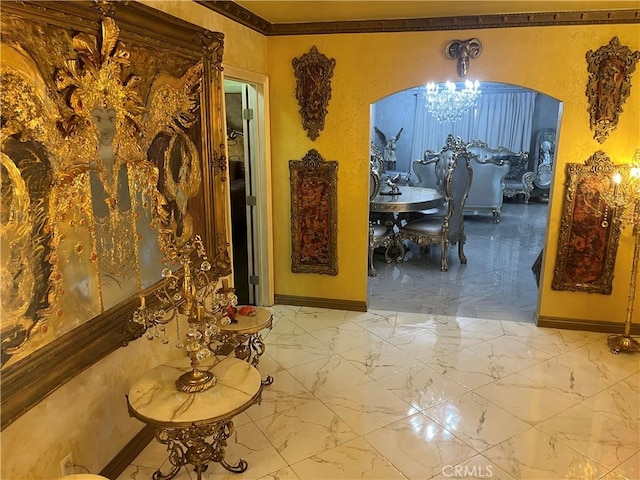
[
  {"x": 610, "y": 68},
  {"x": 313, "y": 73}
]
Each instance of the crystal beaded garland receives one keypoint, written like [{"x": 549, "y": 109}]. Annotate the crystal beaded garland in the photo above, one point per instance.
[
  {"x": 189, "y": 296},
  {"x": 447, "y": 104}
]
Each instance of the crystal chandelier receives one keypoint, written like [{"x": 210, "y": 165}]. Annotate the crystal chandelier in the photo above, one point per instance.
[{"x": 447, "y": 104}]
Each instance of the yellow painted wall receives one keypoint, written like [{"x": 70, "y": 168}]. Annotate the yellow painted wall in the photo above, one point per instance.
[
  {"x": 371, "y": 66},
  {"x": 87, "y": 416}
]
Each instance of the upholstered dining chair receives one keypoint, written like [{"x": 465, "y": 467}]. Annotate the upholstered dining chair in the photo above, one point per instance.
[
  {"x": 380, "y": 232},
  {"x": 448, "y": 229},
  {"x": 428, "y": 172}
]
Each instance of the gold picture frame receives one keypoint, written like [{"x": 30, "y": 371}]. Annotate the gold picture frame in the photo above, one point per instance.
[
  {"x": 314, "y": 214},
  {"x": 108, "y": 124},
  {"x": 589, "y": 229}
]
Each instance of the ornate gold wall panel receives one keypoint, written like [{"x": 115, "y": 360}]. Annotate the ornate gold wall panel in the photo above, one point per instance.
[
  {"x": 111, "y": 133},
  {"x": 589, "y": 229},
  {"x": 610, "y": 68},
  {"x": 313, "y": 73},
  {"x": 314, "y": 214}
]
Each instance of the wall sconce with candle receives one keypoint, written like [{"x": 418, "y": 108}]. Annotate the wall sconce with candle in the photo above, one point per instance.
[{"x": 626, "y": 198}]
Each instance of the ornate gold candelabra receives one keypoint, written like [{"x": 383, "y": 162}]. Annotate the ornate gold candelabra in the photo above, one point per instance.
[
  {"x": 626, "y": 199},
  {"x": 193, "y": 296}
]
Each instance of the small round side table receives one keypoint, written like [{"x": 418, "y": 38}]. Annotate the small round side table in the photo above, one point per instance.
[
  {"x": 195, "y": 426},
  {"x": 245, "y": 339}
]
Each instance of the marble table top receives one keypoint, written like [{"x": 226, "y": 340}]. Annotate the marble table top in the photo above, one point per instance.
[
  {"x": 411, "y": 199},
  {"x": 249, "y": 323},
  {"x": 155, "y": 400}
]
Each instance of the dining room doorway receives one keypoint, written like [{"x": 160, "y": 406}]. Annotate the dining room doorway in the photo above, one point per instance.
[{"x": 497, "y": 282}]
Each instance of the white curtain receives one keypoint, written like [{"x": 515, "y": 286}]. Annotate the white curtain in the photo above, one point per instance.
[{"x": 498, "y": 119}]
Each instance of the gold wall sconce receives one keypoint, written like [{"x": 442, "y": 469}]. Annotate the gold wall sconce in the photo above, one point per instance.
[{"x": 610, "y": 68}]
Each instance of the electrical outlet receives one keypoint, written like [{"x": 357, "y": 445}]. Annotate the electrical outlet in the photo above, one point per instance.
[{"x": 66, "y": 465}]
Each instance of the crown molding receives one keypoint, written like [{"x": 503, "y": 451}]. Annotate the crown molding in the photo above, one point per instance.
[
  {"x": 238, "y": 14},
  {"x": 241, "y": 15}
]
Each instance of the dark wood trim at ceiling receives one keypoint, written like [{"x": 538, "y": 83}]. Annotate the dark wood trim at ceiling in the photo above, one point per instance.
[{"x": 241, "y": 15}]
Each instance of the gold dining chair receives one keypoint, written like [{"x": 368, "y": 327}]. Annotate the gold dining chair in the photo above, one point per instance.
[
  {"x": 380, "y": 232},
  {"x": 448, "y": 229}
]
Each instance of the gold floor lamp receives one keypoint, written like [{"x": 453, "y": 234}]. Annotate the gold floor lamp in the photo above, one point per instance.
[{"x": 626, "y": 198}]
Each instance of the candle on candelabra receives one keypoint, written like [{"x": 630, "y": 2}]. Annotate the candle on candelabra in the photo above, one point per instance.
[{"x": 617, "y": 179}]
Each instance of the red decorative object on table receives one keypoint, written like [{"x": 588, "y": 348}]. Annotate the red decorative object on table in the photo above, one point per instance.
[{"x": 246, "y": 310}]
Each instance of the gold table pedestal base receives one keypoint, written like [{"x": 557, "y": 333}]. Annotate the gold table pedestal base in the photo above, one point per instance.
[
  {"x": 622, "y": 343},
  {"x": 187, "y": 446}
]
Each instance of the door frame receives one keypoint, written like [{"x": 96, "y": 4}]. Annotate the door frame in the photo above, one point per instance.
[{"x": 260, "y": 163}]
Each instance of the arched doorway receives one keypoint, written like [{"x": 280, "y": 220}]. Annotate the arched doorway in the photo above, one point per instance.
[{"x": 497, "y": 281}]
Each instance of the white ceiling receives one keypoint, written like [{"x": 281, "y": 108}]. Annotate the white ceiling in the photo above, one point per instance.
[{"x": 304, "y": 11}]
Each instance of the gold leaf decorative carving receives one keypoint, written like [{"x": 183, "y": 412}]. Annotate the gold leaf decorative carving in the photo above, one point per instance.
[
  {"x": 64, "y": 64},
  {"x": 610, "y": 68},
  {"x": 313, "y": 73}
]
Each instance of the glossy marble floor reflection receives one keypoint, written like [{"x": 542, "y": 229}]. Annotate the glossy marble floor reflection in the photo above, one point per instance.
[
  {"x": 497, "y": 281},
  {"x": 396, "y": 395}
]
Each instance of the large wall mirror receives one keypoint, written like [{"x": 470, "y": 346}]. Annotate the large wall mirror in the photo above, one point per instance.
[{"x": 110, "y": 123}]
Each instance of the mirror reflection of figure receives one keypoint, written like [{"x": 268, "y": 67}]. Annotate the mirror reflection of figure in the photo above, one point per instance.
[{"x": 389, "y": 145}]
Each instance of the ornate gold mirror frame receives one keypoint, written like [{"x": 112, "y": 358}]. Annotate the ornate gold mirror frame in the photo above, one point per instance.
[
  {"x": 589, "y": 229},
  {"x": 314, "y": 214},
  {"x": 110, "y": 119},
  {"x": 610, "y": 68},
  {"x": 313, "y": 73}
]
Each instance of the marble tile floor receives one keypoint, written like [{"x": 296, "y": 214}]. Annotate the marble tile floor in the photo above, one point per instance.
[
  {"x": 399, "y": 395},
  {"x": 497, "y": 281}
]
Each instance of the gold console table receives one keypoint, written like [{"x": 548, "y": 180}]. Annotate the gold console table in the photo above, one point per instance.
[
  {"x": 195, "y": 426},
  {"x": 245, "y": 339}
]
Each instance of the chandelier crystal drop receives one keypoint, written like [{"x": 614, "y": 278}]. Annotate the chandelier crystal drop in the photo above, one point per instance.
[{"x": 447, "y": 104}]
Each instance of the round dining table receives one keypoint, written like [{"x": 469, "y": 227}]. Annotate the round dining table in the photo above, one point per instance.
[
  {"x": 393, "y": 209},
  {"x": 409, "y": 199}
]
